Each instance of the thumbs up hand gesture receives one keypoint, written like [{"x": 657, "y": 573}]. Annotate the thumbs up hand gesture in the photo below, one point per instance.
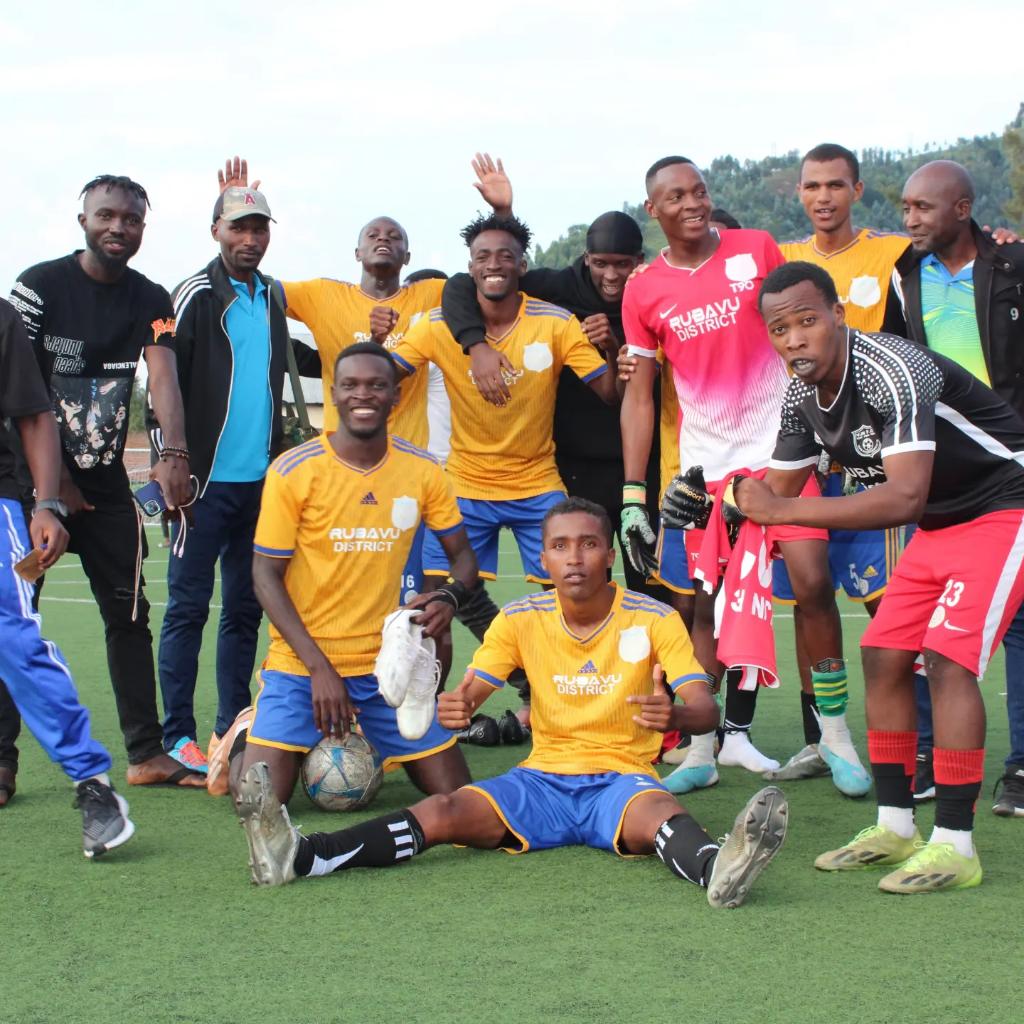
[
  {"x": 654, "y": 709},
  {"x": 455, "y": 709}
]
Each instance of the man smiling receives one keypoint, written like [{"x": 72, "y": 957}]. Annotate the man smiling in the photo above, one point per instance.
[{"x": 598, "y": 656}]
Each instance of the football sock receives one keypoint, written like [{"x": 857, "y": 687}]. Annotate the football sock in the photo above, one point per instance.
[
  {"x": 828, "y": 678},
  {"x": 740, "y": 705},
  {"x": 958, "y": 777},
  {"x": 702, "y": 750},
  {"x": 897, "y": 819},
  {"x": 893, "y": 757},
  {"x": 962, "y": 842},
  {"x": 809, "y": 711},
  {"x": 686, "y": 849},
  {"x": 389, "y": 839},
  {"x": 478, "y": 611},
  {"x": 238, "y": 745}
]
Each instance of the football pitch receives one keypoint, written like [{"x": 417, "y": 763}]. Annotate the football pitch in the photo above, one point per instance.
[{"x": 170, "y": 929}]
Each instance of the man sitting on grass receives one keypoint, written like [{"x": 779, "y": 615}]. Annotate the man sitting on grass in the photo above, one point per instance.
[{"x": 596, "y": 656}]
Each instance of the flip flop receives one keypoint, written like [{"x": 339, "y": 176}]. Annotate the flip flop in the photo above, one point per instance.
[
  {"x": 181, "y": 777},
  {"x": 7, "y": 786}
]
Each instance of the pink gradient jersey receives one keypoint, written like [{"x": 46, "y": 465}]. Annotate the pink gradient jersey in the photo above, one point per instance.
[{"x": 729, "y": 379}]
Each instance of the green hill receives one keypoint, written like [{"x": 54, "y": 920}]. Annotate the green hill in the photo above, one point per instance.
[{"x": 761, "y": 193}]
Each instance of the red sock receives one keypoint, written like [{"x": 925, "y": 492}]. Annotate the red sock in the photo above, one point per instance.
[{"x": 893, "y": 748}]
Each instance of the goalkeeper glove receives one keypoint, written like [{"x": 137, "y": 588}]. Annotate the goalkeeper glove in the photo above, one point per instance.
[
  {"x": 687, "y": 504},
  {"x": 638, "y": 539}
]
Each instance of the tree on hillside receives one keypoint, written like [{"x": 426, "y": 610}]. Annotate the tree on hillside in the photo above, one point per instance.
[
  {"x": 1013, "y": 147},
  {"x": 762, "y": 193}
]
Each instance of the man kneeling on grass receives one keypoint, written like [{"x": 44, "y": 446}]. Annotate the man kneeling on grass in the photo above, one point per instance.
[{"x": 597, "y": 656}]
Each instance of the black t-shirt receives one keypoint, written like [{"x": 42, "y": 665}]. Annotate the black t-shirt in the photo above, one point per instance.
[
  {"x": 22, "y": 393},
  {"x": 899, "y": 397},
  {"x": 88, "y": 337}
]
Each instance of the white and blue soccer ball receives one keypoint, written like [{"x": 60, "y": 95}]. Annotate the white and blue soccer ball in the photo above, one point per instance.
[{"x": 342, "y": 775}]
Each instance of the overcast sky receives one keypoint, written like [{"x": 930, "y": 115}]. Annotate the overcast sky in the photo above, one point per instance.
[{"x": 347, "y": 110}]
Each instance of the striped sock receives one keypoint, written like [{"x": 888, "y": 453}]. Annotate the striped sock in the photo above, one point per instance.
[
  {"x": 958, "y": 778},
  {"x": 893, "y": 757},
  {"x": 828, "y": 678},
  {"x": 379, "y": 843}
]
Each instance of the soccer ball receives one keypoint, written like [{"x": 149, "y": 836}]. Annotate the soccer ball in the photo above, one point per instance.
[{"x": 342, "y": 775}]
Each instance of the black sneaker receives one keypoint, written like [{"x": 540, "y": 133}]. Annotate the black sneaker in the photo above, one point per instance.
[
  {"x": 482, "y": 731},
  {"x": 511, "y": 731},
  {"x": 105, "y": 821},
  {"x": 924, "y": 778},
  {"x": 1010, "y": 802}
]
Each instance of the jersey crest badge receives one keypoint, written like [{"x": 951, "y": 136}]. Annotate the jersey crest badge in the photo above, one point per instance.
[
  {"x": 741, "y": 268},
  {"x": 405, "y": 512},
  {"x": 865, "y": 291},
  {"x": 865, "y": 442},
  {"x": 634, "y": 644},
  {"x": 537, "y": 357}
]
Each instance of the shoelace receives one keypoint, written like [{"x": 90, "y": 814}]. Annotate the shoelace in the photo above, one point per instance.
[
  {"x": 927, "y": 853},
  {"x": 190, "y": 754}
]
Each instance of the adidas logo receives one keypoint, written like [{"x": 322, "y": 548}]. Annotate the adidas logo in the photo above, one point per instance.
[
  {"x": 589, "y": 669},
  {"x": 368, "y": 499}
]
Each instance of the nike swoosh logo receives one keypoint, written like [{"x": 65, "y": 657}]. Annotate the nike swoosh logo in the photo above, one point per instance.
[
  {"x": 335, "y": 862},
  {"x": 669, "y": 310},
  {"x": 955, "y": 629}
]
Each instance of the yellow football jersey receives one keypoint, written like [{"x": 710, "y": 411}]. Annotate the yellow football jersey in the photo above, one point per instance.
[
  {"x": 338, "y": 314},
  {"x": 498, "y": 454},
  {"x": 668, "y": 426},
  {"x": 861, "y": 271},
  {"x": 347, "y": 534},
  {"x": 580, "y": 719}
]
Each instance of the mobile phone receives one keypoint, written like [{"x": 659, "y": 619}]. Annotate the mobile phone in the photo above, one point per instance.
[{"x": 150, "y": 499}]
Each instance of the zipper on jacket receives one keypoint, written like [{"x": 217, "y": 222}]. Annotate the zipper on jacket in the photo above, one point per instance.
[{"x": 231, "y": 386}]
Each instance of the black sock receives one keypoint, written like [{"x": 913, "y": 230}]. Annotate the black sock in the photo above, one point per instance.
[
  {"x": 812, "y": 727},
  {"x": 954, "y": 805},
  {"x": 893, "y": 787},
  {"x": 686, "y": 849},
  {"x": 478, "y": 611},
  {"x": 241, "y": 738},
  {"x": 739, "y": 704},
  {"x": 389, "y": 839}
]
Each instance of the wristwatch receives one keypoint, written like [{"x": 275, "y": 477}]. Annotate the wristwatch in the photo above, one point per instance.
[{"x": 50, "y": 505}]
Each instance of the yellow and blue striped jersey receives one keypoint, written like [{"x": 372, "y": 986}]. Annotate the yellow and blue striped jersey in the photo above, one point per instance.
[
  {"x": 347, "y": 533},
  {"x": 338, "y": 314},
  {"x": 581, "y": 721},
  {"x": 861, "y": 271},
  {"x": 499, "y": 454}
]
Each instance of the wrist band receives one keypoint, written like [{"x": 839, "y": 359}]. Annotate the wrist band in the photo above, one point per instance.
[
  {"x": 634, "y": 492},
  {"x": 453, "y": 591},
  {"x": 169, "y": 451}
]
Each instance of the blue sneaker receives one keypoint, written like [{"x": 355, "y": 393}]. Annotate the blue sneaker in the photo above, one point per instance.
[
  {"x": 687, "y": 777},
  {"x": 850, "y": 777},
  {"x": 186, "y": 752}
]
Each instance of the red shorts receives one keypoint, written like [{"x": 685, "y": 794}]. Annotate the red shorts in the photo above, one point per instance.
[
  {"x": 774, "y": 534},
  {"x": 954, "y": 591}
]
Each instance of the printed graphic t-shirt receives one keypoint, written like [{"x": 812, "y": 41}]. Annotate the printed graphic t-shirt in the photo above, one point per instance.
[{"x": 88, "y": 337}]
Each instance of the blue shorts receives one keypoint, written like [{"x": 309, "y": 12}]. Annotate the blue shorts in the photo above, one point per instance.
[
  {"x": 861, "y": 561},
  {"x": 483, "y": 521},
  {"x": 543, "y": 810},
  {"x": 283, "y": 718},
  {"x": 673, "y": 565}
]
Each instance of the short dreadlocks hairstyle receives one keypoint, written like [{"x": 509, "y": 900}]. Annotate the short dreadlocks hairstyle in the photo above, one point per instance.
[
  {"x": 121, "y": 181},
  {"x": 492, "y": 222}
]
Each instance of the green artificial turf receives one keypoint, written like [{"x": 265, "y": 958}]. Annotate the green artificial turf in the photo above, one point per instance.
[{"x": 169, "y": 928}]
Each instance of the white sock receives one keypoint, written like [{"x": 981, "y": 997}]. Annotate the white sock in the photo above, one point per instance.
[
  {"x": 99, "y": 777},
  {"x": 702, "y": 750},
  {"x": 897, "y": 819},
  {"x": 962, "y": 842},
  {"x": 835, "y": 734},
  {"x": 738, "y": 751}
]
